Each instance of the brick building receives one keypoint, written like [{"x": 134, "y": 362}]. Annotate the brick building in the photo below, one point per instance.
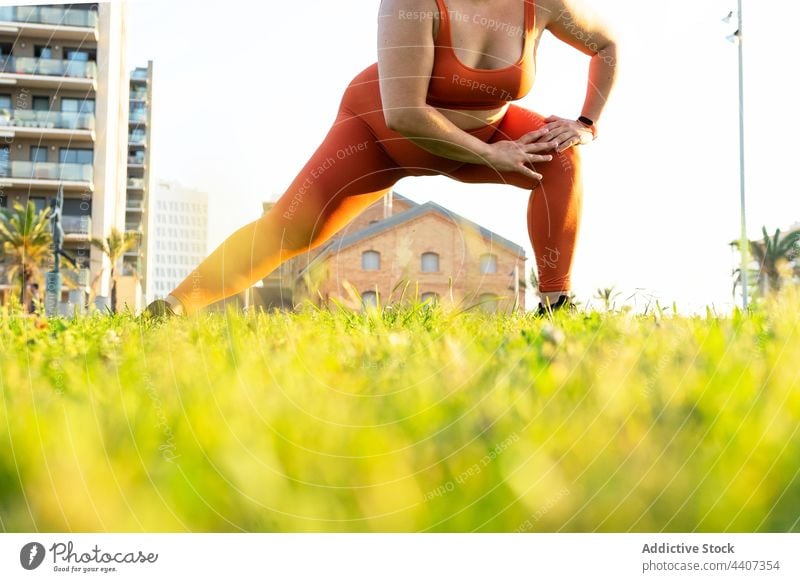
[{"x": 439, "y": 254}]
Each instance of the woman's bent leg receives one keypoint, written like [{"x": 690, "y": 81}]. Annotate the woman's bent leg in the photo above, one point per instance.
[
  {"x": 554, "y": 205},
  {"x": 347, "y": 173}
]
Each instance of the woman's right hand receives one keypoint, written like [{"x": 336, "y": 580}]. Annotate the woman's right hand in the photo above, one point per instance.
[{"x": 516, "y": 155}]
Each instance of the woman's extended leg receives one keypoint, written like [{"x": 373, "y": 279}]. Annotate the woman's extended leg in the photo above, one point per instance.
[
  {"x": 348, "y": 172},
  {"x": 554, "y": 205}
]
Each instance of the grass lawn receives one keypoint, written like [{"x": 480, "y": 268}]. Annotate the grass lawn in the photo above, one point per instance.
[{"x": 416, "y": 420}]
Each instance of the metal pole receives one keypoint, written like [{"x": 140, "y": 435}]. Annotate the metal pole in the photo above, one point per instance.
[{"x": 744, "y": 243}]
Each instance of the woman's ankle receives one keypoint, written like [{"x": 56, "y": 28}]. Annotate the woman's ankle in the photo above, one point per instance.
[{"x": 551, "y": 296}]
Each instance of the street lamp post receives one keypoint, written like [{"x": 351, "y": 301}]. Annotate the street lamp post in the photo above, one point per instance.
[{"x": 744, "y": 243}]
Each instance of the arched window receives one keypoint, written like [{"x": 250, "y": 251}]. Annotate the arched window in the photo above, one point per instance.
[
  {"x": 429, "y": 296},
  {"x": 488, "y": 302},
  {"x": 430, "y": 263},
  {"x": 488, "y": 263},
  {"x": 371, "y": 260},
  {"x": 369, "y": 299}
]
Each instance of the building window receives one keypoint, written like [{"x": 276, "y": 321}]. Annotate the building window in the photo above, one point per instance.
[
  {"x": 5, "y": 102},
  {"x": 41, "y": 103},
  {"x": 77, "y": 105},
  {"x": 38, "y": 202},
  {"x": 430, "y": 262},
  {"x": 38, "y": 154},
  {"x": 4, "y": 160},
  {"x": 42, "y": 52},
  {"x": 430, "y": 296},
  {"x": 369, "y": 299},
  {"x": 488, "y": 302},
  {"x": 79, "y": 55},
  {"x": 76, "y": 156},
  {"x": 371, "y": 260},
  {"x": 488, "y": 263}
]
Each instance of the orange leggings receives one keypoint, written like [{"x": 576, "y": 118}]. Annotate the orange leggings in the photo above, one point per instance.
[{"x": 357, "y": 163}]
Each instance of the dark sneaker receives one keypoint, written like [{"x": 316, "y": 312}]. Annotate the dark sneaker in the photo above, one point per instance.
[
  {"x": 159, "y": 308},
  {"x": 564, "y": 303}
]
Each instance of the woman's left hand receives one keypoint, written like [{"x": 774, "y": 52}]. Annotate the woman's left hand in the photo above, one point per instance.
[{"x": 567, "y": 132}]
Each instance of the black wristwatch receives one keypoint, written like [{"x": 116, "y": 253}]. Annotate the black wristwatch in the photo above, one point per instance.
[{"x": 589, "y": 124}]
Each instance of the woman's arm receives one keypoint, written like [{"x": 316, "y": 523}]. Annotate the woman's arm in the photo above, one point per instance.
[
  {"x": 405, "y": 62},
  {"x": 576, "y": 24}
]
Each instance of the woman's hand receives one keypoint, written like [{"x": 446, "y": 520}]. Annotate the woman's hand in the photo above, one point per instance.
[
  {"x": 516, "y": 155},
  {"x": 568, "y": 132}
]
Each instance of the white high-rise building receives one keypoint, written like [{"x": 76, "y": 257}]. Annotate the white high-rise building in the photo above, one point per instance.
[
  {"x": 64, "y": 123},
  {"x": 178, "y": 236},
  {"x": 131, "y": 283}
]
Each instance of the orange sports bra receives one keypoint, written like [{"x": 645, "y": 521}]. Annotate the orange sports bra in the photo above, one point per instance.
[{"x": 454, "y": 85}]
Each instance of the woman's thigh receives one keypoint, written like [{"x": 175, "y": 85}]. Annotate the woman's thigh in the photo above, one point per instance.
[{"x": 348, "y": 172}]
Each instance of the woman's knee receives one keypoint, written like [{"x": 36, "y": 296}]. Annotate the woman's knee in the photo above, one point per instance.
[
  {"x": 289, "y": 227},
  {"x": 567, "y": 161}
]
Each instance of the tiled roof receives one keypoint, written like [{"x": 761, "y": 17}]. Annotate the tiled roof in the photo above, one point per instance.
[{"x": 407, "y": 215}]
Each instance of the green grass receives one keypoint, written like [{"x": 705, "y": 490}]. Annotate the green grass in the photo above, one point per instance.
[{"x": 414, "y": 420}]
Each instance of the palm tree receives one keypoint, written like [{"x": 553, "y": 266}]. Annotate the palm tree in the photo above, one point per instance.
[
  {"x": 772, "y": 254},
  {"x": 534, "y": 278},
  {"x": 114, "y": 246},
  {"x": 26, "y": 239}
]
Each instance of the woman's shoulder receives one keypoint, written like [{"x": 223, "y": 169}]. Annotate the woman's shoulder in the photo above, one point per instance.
[
  {"x": 547, "y": 11},
  {"x": 404, "y": 13}
]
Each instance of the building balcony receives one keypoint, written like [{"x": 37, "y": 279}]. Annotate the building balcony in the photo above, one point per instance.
[
  {"x": 138, "y": 96},
  {"x": 66, "y": 23},
  {"x": 48, "y": 73},
  {"x": 29, "y": 123},
  {"x": 44, "y": 174},
  {"x": 76, "y": 228},
  {"x": 134, "y": 206},
  {"x": 54, "y": 16},
  {"x": 137, "y": 139},
  {"x": 137, "y": 160},
  {"x": 139, "y": 75},
  {"x": 134, "y": 226},
  {"x": 135, "y": 184},
  {"x": 138, "y": 116},
  {"x": 50, "y": 67}
]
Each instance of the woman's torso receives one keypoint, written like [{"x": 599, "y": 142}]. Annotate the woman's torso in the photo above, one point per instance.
[{"x": 486, "y": 66}]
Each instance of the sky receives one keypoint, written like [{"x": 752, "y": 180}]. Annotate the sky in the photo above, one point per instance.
[{"x": 245, "y": 91}]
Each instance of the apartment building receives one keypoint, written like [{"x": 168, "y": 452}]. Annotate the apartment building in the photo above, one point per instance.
[
  {"x": 132, "y": 284},
  {"x": 178, "y": 236},
  {"x": 64, "y": 119},
  {"x": 441, "y": 255}
]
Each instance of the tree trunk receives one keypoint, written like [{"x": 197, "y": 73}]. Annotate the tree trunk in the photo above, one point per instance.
[{"x": 113, "y": 292}]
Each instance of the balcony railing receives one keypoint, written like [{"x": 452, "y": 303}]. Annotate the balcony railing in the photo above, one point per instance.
[
  {"x": 135, "y": 205},
  {"x": 76, "y": 224},
  {"x": 135, "y": 184},
  {"x": 46, "y": 119},
  {"x": 139, "y": 96},
  {"x": 139, "y": 74},
  {"x": 49, "y": 67},
  {"x": 84, "y": 276},
  {"x": 56, "y": 16},
  {"x": 138, "y": 116},
  {"x": 136, "y": 160},
  {"x": 48, "y": 171},
  {"x": 136, "y": 138},
  {"x": 134, "y": 226}
]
